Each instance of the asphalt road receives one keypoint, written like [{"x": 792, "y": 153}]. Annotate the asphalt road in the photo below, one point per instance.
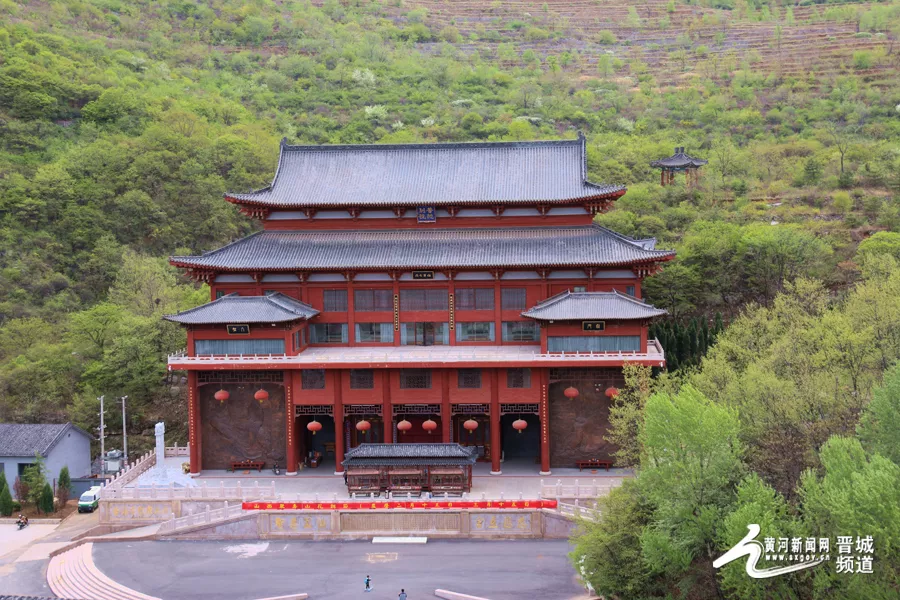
[{"x": 498, "y": 570}]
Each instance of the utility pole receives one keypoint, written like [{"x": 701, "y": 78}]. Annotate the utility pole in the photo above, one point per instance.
[
  {"x": 102, "y": 442},
  {"x": 124, "y": 431}
]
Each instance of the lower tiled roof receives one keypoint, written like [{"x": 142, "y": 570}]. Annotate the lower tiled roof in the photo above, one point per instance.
[
  {"x": 581, "y": 306},
  {"x": 18, "y": 439},
  {"x": 274, "y": 307},
  {"x": 589, "y": 245}
]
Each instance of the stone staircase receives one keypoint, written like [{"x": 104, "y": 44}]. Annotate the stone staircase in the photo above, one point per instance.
[{"x": 73, "y": 575}]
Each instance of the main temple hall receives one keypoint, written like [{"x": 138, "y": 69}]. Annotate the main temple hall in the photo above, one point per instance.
[{"x": 417, "y": 293}]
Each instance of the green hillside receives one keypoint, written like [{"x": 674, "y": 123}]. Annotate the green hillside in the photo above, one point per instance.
[{"x": 121, "y": 124}]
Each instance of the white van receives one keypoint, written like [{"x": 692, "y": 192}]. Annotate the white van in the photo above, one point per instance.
[{"x": 89, "y": 500}]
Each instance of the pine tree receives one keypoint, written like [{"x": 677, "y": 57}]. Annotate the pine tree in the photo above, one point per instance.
[
  {"x": 63, "y": 486},
  {"x": 704, "y": 336},
  {"x": 45, "y": 503},
  {"x": 6, "y": 501}
]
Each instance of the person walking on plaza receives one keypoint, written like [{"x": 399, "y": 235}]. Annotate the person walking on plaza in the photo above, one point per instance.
[
  {"x": 402, "y": 595},
  {"x": 368, "y": 583}
]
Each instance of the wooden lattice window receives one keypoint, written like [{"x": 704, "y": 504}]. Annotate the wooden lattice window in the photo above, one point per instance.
[
  {"x": 362, "y": 379},
  {"x": 513, "y": 299},
  {"x": 312, "y": 379},
  {"x": 334, "y": 301},
  {"x": 474, "y": 299},
  {"x": 518, "y": 378},
  {"x": 415, "y": 379},
  {"x": 468, "y": 378},
  {"x": 372, "y": 300},
  {"x": 424, "y": 300}
]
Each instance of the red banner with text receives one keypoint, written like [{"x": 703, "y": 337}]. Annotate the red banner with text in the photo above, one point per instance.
[{"x": 407, "y": 504}]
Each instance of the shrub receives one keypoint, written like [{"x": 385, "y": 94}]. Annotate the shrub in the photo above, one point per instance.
[
  {"x": 45, "y": 502},
  {"x": 862, "y": 59},
  {"x": 6, "y": 501},
  {"x": 606, "y": 37},
  {"x": 842, "y": 202}
]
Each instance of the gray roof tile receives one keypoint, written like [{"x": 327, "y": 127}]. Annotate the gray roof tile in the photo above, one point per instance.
[
  {"x": 17, "y": 439},
  {"x": 588, "y": 245},
  {"x": 410, "y": 454},
  {"x": 583, "y": 306},
  {"x": 429, "y": 174},
  {"x": 232, "y": 308}
]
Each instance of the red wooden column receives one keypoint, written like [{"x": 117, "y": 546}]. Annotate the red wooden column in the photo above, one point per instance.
[
  {"x": 446, "y": 416},
  {"x": 338, "y": 422},
  {"x": 290, "y": 421},
  {"x": 194, "y": 422},
  {"x": 495, "y": 424},
  {"x": 544, "y": 411},
  {"x": 387, "y": 410}
]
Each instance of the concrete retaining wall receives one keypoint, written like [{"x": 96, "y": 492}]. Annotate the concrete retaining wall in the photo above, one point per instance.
[{"x": 356, "y": 524}]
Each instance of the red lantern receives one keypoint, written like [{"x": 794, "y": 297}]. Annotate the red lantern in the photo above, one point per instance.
[
  {"x": 363, "y": 426},
  {"x": 611, "y": 392},
  {"x": 261, "y": 395},
  {"x": 222, "y": 396},
  {"x": 471, "y": 425},
  {"x": 429, "y": 425},
  {"x": 314, "y": 426},
  {"x": 404, "y": 426},
  {"x": 571, "y": 392},
  {"x": 519, "y": 425}
]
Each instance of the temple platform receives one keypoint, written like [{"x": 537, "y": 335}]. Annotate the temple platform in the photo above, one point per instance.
[{"x": 519, "y": 476}]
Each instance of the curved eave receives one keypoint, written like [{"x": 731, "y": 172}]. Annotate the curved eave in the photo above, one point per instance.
[
  {"x": 235, "y": 199},
  {"x": 644, "y": 261}
]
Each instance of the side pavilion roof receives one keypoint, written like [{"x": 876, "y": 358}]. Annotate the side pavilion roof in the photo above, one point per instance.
[
  {"x": 679, "y": 160},
  {"x": 582, "y": 306},
  {"x": 456, "y": 174},
  {"x": 510, "y": 247},
  {"x": 274, "y": 307}
]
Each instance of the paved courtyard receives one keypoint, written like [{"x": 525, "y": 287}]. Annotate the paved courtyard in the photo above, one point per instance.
[
  {"x": 498, "y": 570},
  {"x": 519, "y": 477}
]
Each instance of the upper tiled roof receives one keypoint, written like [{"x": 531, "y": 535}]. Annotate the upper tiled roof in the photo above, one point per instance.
[
  {"x": 588, "y": 245},
  {"x": 429, "y": 174},
  {"x": 274, "y": 307},
  {"x": 581, "y": 306},
  {"x": 27, "y": 440},
  {"x": 679, "y": 160},
  {"x": 410, "y": 454}
]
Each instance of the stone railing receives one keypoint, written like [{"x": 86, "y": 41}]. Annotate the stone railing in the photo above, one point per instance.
[
  {"x": 177, "y": 450},
  {"x": 576, "y": 511},
  {"x": 593, "y": 489},
  {"x": 204, "y": 517},
  {"x": 127, "y": 475},
  {"x": 201, "y": 492}
]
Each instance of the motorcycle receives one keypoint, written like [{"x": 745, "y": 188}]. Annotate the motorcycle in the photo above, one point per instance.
[{"x": 275, "y": 469}]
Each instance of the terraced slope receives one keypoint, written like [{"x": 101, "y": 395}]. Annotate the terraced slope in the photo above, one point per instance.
[{"x": 674, "y": 41}]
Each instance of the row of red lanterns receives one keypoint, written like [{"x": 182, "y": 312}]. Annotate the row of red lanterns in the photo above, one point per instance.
[
  {"x": 571, "y": 392},
  {"x": 404, "y": 425},
  {"x": 261, "y": 395}
]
